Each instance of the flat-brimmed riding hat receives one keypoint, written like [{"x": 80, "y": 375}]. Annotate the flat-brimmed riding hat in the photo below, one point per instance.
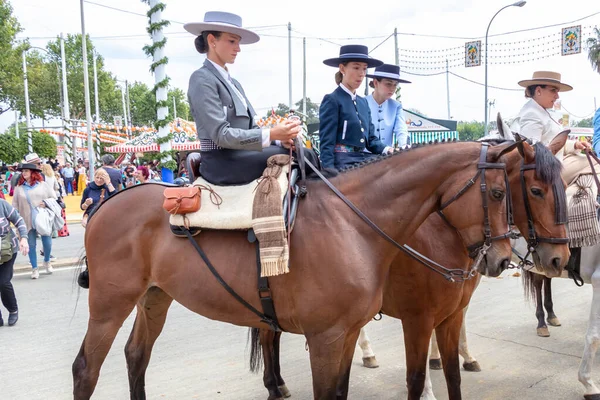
[
  {"x": 546, "y": 78},
  {"x": 220, "y": 21},
  {"x": 388, "y": 71},
  {"x": 30, "y": 166},
  {"x": 353, "y": 52}
]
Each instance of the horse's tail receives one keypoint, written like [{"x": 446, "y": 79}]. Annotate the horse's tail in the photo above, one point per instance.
[
  {"x": 255, "y": 350},
  {"x": 529, "y": 279},
  {"x": 83, "y": 276}
]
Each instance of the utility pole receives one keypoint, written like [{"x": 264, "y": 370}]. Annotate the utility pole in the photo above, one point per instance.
[
  {"x": 70, "y": 142},
  {"x": 96, "y": 89},
  {"x": 125, "y": 123},
  {"x": 448, "y": 88},
  {"x": 174, "y": 108},
  {"x": 304, "y": 76},
  {"x": 396, "y": 46},
  {"x": 129, "y": 121},
  {"x": 290, "y": 63},
  {"x": 86, "y": 90},
  {"x": 17, "y": 123},
  {"x": 27, "y": 115}
]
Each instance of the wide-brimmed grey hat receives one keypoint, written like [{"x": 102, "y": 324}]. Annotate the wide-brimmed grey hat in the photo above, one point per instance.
[
  {"x": 388, "y": 71},
  {"x": 220, "y": 21}
]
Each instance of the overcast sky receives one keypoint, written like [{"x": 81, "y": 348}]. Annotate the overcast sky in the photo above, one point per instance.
[{"x": 262, "y": 68}]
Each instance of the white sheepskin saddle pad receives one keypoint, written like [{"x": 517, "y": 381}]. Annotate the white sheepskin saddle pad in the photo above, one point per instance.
[{"x": 235, "y": 213}]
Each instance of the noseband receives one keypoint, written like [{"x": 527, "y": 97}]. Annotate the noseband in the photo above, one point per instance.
[
  {"x": 481, "y": 247},
  {"x": 533, "y": 239}
]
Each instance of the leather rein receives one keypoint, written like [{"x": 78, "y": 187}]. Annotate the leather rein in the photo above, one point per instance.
[{"x": 452, "y": 275}]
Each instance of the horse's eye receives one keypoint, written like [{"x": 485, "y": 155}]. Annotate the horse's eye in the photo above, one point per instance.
[
  {"x": 497, "y": 194},
  {"x": 537, "y": 192}
]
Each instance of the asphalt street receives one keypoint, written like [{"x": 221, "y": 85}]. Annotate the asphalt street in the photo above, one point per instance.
[{"x": 195, "y": 358}]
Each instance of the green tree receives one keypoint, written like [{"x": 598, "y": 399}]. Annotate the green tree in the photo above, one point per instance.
[
  {"x": 312, "y": 110},
  {"x": 9, "y": 152},
  {"x": 142, "y": 105},
  {"x": 43, "y": 144},
  {"x": 470, "y": 130},
  {"x": 183, "y": 108},
  {"x": 585, "y": 123},
  {"x": 11, "y": 75},
  {"x": 594, "y": 50},
  {"x": 109, "y": 95}
]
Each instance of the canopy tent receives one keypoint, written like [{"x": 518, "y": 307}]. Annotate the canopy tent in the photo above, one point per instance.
[{"x": 183, "y": 134}]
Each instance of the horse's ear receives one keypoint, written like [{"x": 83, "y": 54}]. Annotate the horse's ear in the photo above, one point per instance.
[
  {"x": 559, "y": 141},
  {"x": 505, "y": 149},
  {"x": 527, "y": 152}
]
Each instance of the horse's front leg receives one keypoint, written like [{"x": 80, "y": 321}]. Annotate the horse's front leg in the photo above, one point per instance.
[
  {"x": 417, "y": 333},
  {"x": 326, "y": 354},
  {"x": 542, "y": 328},
  {"x": 470, "y": 363},
  {"x": 448, "y": 333},
  {"x": 548, "y": 304},
  {"x": 592, "y": 342},
  {"x": 368, "y": 356}
]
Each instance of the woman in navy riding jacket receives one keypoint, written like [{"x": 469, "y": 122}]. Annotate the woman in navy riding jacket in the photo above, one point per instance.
[{"x": 345, "y": 128}]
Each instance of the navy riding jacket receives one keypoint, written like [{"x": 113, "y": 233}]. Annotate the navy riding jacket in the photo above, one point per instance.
[{"x": 347, "y": 122}]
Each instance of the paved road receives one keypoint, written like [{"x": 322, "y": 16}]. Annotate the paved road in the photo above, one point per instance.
[{"x": 196, "y": 358}]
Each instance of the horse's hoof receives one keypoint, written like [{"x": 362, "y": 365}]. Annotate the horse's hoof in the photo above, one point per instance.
[
  {"x": 553, "y": 321},
  {"x": 370, "y": 362},
  {"x": 595, "y": 396},
  {"x": 472, "y": 366},
  {"x": 543, "y": 332},
  {"x": 285, "y": 391},
  {"x": 435, "y": 363}
]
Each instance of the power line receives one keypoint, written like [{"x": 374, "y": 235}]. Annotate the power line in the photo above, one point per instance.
[{"x": 576, "y": 116}]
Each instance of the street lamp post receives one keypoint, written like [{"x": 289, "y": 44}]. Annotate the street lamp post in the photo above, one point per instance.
[{"x": 517, "y": 4}]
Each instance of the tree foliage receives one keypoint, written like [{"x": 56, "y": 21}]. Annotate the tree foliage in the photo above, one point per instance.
[
  {"x": 312, "y": 110},
  {"x": 10, "y": 57},
  {"x": 472, "y": 130},
  {"x": 585, "y": 123},
  {"x": 594, "y": 50}
]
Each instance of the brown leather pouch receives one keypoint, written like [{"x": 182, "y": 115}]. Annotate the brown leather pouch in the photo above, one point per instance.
[{"x": 182, "y": 200}]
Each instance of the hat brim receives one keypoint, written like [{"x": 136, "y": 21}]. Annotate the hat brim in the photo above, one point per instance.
[
  {"x": 247, "y": 36},
  {"x": 32, "y": 167},
  {"x": 373, "y": 76},
  {"x": 562, "y": 87},
  {"x": 371, "y": 62}
]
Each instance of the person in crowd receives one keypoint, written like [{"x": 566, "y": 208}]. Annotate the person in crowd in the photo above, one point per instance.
[
  {"x": 9, "y": 215},
  {"x": 108, "y": 162},
  {"x": 82, "y": 178},
  {"x": 142, "y": 174},
  {"x": 50, "y": 178},
  {"x": 234, "y": 149},
  {"x": 386, "y": 112},
  {"x": 534, "y": 122},
  {"x": 30, "y": 194},
  {"x": 64, "y": 231},
  {"x": 95, "y": 193},
  {"x": 68, "y": 174},
  {"x": 345, "y": 128},
  {"x": 14, "y": 179},
  {"x": 596, "y": 137},
  {"x": 129, "y": 176}
]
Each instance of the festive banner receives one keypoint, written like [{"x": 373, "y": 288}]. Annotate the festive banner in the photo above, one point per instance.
[
  {"x": 571, "y": 40},
  {"x": 473, "y": 54}
]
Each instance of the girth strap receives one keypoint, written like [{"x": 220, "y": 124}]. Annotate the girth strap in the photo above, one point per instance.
[{"x": 263, "y": 318}]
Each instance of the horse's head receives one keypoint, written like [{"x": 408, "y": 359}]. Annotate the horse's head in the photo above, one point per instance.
[
  {"x": 539, "y": 202},
  {"x": 485, "y": 203}
]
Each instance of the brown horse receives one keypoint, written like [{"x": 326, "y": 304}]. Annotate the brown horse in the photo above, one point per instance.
[
  {"x": 338, "y": 265},
  {"x": 425, "y": 302}
]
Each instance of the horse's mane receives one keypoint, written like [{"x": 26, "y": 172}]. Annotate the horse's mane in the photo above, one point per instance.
[{"x": 381, "y": 157}]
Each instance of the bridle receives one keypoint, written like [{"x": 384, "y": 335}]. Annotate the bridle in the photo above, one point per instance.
[
  {"x": 482, "y": 166},
  {"x": 533, "y": 239},
  {"x": 480, "y": 249}
]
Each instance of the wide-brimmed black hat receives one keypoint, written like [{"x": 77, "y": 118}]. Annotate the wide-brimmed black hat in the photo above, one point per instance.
[
  {"x": 388, "y": 71},
  {"x": 30, "y": 166},
  {"x": 353, "y": 52}
]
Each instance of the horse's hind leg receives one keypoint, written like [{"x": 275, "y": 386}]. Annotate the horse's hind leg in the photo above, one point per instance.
[
  {"x": 368, "y": 356},
  {"x": 151, "y": 315},
  {"x": 542, "y": 328},
  {"x": 271, "y": 370},
  {"x": 470, "y": 363},
  {"x": 592, "y": 342},
  {"x": 548, "y": 305},
  {"x": 435, "y": 360},
  {"x": 277, "y": 366},
  {"x": 105, "y": 320}
]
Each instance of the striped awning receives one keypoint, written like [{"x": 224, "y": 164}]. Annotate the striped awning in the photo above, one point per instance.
[{"x": 426, "y": 137}]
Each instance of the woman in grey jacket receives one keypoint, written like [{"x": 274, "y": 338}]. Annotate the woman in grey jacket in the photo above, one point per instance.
[
  {"x": 234, "y": 149},
  {"x": 9, "y": 215}
]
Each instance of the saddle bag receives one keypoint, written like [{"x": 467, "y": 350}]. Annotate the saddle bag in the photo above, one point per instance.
[{"x": 182, "y": 200}]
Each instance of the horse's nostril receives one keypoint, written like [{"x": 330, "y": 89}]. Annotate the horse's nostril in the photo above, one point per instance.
[
  {"x": 556, "y": 262},
  {"x": 505, "y": 264}
]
